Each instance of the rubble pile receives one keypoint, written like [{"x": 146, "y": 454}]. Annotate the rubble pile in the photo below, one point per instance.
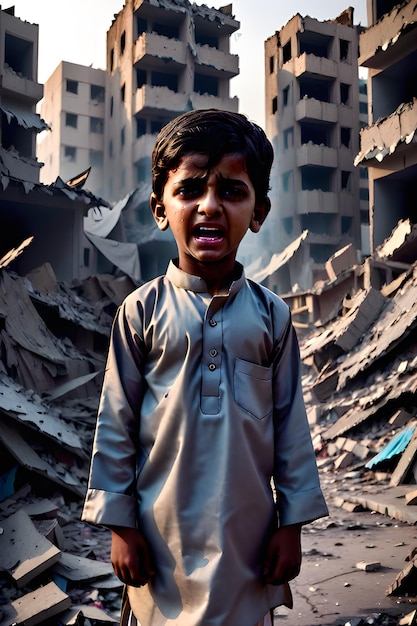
[
  {"x": 360, "y": 382},
  {"x": 53, "y": 344}
]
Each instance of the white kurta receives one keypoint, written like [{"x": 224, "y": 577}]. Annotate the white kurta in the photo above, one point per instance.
[{"x": 201, "y": 406}]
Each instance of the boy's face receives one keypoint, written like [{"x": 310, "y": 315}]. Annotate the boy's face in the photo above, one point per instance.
[{"x": 208, "y": 211}]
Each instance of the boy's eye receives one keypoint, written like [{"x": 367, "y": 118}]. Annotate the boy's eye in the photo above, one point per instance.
[
  {"x": 190, "y": 190},
  {"x": 232, "y": 191}
]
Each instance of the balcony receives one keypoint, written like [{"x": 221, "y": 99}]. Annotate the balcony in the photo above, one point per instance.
[
  {"x": 148, "y": 99},
  {"x": 388, "y": 135},
  {"x": 24, "y": 88},
  {"x": 383, "y": 43},
  {"x": 316, "y": 201},
  {"x": 216, "y": 61},
  {"x": 309, "y": 64},
  {"x": 206, "y": 101},
  {"x": 312, "y": 110},
  {"x": 312, "y": 154},
  {"x": 156, "y": 50}
]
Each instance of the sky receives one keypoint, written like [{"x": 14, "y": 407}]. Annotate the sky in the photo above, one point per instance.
[{"x": 76, "y": 31}]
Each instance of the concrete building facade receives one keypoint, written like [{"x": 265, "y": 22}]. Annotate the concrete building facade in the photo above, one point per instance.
[
  {"x": 163, "y": 58},
  {"x": 74, "y": 105},
  {"x": 388, "y": 145},
  {"x": 19, "y": 94},
  {"x": 312, "y": 118}
]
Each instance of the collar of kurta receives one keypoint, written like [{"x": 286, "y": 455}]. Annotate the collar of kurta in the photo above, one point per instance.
[{"x": 181, "y": 279}]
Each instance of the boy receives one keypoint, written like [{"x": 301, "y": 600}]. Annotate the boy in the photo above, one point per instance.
[{"x": 201, "y": 403}]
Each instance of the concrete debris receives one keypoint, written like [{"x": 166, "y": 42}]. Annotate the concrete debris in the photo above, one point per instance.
[
  {"x": 53, "y": 340},
  {"x": 340, "y": 261},
  {"x": 408, "y": 620},
  {"x": 25, "y": 553},
  {"x": 376, "y": 619},
  {"x": 360, "y": 384},
  {"x": 369, "y": 566},
  {"x": 39, "y": 606},
  {"x": 406, "y": 581}
]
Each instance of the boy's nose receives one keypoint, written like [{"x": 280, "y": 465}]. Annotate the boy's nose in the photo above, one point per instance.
[{"x": 210, "y": 204}]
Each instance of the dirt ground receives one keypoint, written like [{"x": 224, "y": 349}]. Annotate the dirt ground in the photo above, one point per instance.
[{"x": 331, "y": 590}]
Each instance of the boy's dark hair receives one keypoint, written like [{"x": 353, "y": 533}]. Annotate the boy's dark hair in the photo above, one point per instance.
[{"x": 215, "y": 133}]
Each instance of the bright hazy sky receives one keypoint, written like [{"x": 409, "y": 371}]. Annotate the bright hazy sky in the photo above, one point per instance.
[{"x": 76, "y": 31}]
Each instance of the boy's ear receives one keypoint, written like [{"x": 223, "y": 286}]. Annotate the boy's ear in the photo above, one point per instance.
[
  {"x": 158, "y": 211},
  {"x": 259, "y": 215}
]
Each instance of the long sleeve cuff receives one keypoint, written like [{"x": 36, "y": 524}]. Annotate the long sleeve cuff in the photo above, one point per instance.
[
  {"x": 302, "y": 507},
  {"x": 109, "y": 509}
]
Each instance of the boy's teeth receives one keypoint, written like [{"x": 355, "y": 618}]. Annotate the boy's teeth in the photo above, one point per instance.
[{"x": 203, "y": 231}]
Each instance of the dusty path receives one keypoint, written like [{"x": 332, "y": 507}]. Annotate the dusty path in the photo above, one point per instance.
[{"x": 331, "y": 590}]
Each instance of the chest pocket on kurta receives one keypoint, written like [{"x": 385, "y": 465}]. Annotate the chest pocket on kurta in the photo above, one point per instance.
[{"x": 253, "y": 388}]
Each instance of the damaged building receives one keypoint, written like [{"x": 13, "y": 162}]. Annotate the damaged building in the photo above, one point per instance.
[
  {"x": 388, "y": 145},
  {"x": 312, "y": 118},
  {"x": 51, "y": 217},
  {"x": 19, "y": 95},
  {"x": 63, "y": 221},
  {"x": 164, "y": 57}
]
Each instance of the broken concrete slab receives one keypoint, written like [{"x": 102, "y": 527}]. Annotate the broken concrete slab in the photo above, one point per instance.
[
  {"x": 37, "y": 606},
  {"x": 347, "y": 330},
  {"x": 24, "y": 552},
  {"x": 406, "y": 581},
  {"x": 408, "y": 620},
  {"x": 382, "y": 138},
  {"x": 401, "y": 244},
  {"x": 389, "y": 501},
  {"x": 411, "y": 498},
  {"x": 23, "y": 323},
  {"x": 340, "y": 261},
  {"x": 31, "y": 461},
  {"x": 78, "y": 568},
  {"x": 369, "y": 566},
  {"x": 28, "y": 409}
]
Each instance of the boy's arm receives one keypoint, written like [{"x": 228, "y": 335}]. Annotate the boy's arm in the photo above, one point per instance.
[
  {"x": 111, "y": 498},
  {"x": 131, "y": 556},
  {"x": 283, "y": 555}
]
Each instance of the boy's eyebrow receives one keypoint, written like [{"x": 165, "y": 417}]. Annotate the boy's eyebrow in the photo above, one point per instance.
[
  {"x": 233, "y": 181},
  {"x": 191, "y": 179}
]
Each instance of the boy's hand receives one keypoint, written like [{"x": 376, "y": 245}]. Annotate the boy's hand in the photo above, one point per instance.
[
  {"x": 283, "y": 555},
  {"x": 131, "y": 556}
]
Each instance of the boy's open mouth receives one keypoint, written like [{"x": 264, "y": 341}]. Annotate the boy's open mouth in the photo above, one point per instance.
[{"x": 205, "y": 233}]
